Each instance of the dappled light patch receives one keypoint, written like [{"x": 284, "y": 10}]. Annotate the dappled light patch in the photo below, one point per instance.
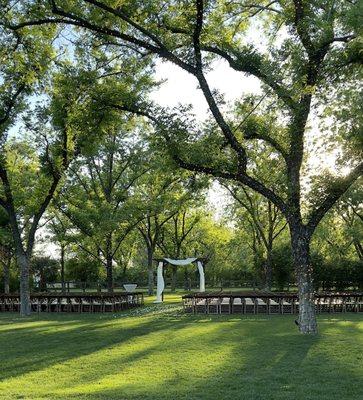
[{"x": 155, "y": 356}]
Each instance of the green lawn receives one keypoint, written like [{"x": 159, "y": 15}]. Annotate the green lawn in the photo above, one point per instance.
[{"x": 159, "y": 353}]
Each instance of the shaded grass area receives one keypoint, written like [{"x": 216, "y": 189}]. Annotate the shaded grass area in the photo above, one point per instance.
[{"x": 159, "y": 353}]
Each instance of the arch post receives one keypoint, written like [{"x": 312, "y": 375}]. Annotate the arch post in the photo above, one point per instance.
[
  {"x": 160, "y": 284},
  {"x": 201, "y": 276}
]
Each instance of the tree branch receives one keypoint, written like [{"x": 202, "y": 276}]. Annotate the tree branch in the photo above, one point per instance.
[
  {"x": 226, "y": 130},
  {"x": 91, "y": 254},
  {"x": 301, "y": 28},
  {"x": 10, "y": 104},
  {"x": 124, "y": 235},
  {"x": 317, "y": 215},
  {"x": 160, "y": 49},
  {"x": 260, "y": 7},
  {"x": 119, "y": 13},
  {"x": 241, "y": 178},
  {"x": 266, "y": 138},
  {"x": 242, "y": 63},
  {"x": 197, "y": 32}
]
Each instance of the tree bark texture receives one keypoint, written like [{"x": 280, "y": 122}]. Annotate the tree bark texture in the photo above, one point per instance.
[
  {"x": 24, "y": 265},
  {"x": 300, "y": 241},
  {"x": 62, "y": 254},
  {"x": 7, "y": 275},
  {"x": 150, "y": 271}
]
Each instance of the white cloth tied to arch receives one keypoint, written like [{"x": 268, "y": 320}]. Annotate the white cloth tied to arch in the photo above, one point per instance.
[
  {"x": 181, "y": 262},
  {"x": 186, "y": 261}
]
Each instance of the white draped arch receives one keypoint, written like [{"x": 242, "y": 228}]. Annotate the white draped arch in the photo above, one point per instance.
[{"x": 180, "y": 262}]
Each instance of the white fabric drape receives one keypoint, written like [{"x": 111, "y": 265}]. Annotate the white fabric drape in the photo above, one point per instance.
[
  {"x": 160, "y": 283},
  {"x": 201, "y": 276},
  {"x": 180, "y": 262},
  {"x": 160, "y": 278}
]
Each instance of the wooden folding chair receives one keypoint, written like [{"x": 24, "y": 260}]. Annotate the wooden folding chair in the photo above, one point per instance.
[
  {"x": 213, "y": 305},
  {"x": 286, "y": 307},
  {"x": 249, "y": 306},
  {"x": 200, "y": 305},
  {"x": 237, "y": 305},
  {"x": 261, "y": 306},
  {"x": 273, "y": 307},
  {"x": 225, "y": 306}
]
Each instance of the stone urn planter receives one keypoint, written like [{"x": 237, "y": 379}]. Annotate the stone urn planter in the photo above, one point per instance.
[{"x": 130, "y": 287}]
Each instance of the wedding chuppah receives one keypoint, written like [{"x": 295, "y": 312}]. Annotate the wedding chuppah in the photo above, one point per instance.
[{"x": 179, "y": 262}]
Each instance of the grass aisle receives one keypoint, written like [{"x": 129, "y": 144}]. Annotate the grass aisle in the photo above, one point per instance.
[{"x": 162, "y": 354}]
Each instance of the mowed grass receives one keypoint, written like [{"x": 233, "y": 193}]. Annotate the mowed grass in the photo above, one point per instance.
[{"x": 160, "y": 353}]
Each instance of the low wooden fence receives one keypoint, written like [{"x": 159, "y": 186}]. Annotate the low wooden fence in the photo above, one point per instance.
[
  {"x": 74, "y": 302},
  {"x": 268, "y": 303}
]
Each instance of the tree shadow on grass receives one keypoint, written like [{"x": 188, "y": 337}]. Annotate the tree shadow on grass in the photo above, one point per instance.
[
  {"x": 206, "y": 358},
  {"x": 212, "y": 335},
  {"x": 278, "y": 365},
  {"x": 25, "y": 348}
]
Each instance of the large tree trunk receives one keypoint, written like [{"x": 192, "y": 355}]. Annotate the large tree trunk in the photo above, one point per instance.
[
  {"x": 23, "y": 262},
  {"x": 124, "y": 270},
  {"x": 187, "y": 284},
  {"x": 62, "y": 269},
  {"x": 109, "y": 266},
  {"x": 7, "y": 275},
  {"x": 42, "y": 282},
  {"x": 109, "y": 274},
  {"x": 174, "y": 268},
  {"x": 24, "y": 266},
  {"x": 150, "y": 270},
  {"x": 268, "y": 270},
  {"x": 173, "y": 278},
  {"x": 358, "y": 248},
  {"x": 300, "y": 242}
]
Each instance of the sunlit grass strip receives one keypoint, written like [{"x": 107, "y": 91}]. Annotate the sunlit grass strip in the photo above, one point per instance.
[{"x": 165, "y": 354}]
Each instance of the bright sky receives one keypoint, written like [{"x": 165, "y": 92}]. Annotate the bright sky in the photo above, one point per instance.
[{"x": 182, "y": 88}]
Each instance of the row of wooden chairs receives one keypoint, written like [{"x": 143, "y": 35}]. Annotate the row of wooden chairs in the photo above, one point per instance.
[
  {"x": 231, "y": 305},
  {"x": 339, "y": 304},
  {"x": 76, "y": 304}
]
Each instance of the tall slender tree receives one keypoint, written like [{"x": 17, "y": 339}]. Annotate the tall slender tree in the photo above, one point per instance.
[
  {"x": 6, "y": 249},
  {"x": 174, "y": 237},
  {"x": 17, "y": 58},
  {"x": 98, "y": 197},
  {"x": 68, "y": 121},
  {"x": 163, "y": 192},
  {"x": 61, "y": 234},
  {"x": 350, "y": 211},
  {"x": 266, "y": 222}
]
